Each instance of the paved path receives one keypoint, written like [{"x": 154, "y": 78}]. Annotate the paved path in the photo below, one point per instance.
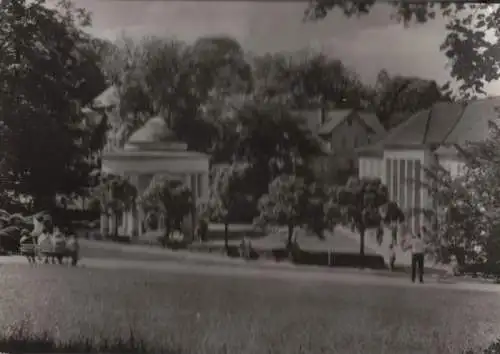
[{"x": 347, "y": 276}]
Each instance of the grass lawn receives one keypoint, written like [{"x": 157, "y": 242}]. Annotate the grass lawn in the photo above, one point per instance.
[{"x": 215, "y": 314}]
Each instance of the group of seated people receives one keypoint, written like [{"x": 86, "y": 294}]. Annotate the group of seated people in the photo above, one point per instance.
[{"x": 49, "y": 243}]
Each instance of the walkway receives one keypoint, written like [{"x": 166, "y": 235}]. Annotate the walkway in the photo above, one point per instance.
[{"x": 261, "y": 270}]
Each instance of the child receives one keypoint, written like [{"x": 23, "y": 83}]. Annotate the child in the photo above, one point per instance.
[
  {"x": 28, "y": 246},
  {"x": 59, "y": 246},
  {"x": 72, "y": 247},
  {"x": 392, "y": 257},
  {"x": 45, "y": 244}
]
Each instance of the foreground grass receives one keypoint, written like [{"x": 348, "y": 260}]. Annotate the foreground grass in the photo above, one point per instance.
[
  {"x": 20, "y": 339},
  {"x": 91, "y": 310}
]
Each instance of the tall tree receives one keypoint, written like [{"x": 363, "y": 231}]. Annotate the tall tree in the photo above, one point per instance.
[
  {"x": 394, "y": 98},
  {"x": 226, "y": 196},
  {"x": 467, "y": 207},
  {"x": 284, "y": 205},
  {"x": 306, "y": 80},
  {"x": 361, "y": 200},
  {"x": 47, "y": 73},
  {"x": 325, "y": 83},
  {"x": 273, "y": 141},
  {"x": 472, "y": 53},
  {"x": 457, "y": 220}
]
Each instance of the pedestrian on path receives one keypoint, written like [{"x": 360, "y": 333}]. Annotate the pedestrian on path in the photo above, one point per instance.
[
  {"x": 417, "y": 246},
  {"x": 392, "y": 257}
]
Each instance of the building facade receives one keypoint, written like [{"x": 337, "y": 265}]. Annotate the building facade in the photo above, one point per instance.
[
  {"x": 342, "y": 131},
  {"x": 426, "y": 139},
  {"x": 149, "y": 153}
]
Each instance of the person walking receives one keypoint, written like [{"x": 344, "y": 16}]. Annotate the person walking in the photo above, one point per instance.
[
  {"x": 392, "y": 257},
  {"x": 417, "y": 246}
]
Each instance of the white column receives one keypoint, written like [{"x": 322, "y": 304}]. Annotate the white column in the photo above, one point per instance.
[
  {"x": 205, "y": 186},
  {"x": 130, "y": 223},
  {"x": 124, "y": 226}
]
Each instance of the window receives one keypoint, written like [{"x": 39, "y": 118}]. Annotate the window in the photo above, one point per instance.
[
  {"x": 344, "y": 142},
  {"x": 355, "y": 141}
]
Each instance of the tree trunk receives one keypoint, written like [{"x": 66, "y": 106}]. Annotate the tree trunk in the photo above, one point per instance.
[
  {"x": 362, "y": 233},
  {"x": 226, "y": 236},
  {"x": 289, "y": 243}
]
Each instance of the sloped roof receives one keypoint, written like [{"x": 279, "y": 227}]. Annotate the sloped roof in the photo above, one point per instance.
[
  {"x": 373, "y": 122},
  {"x": 333, "y": 119},
  {"x": 154, "y": 131},
  {"x": 410, "y": 132},
  {"x": 444, "y": 124},
  {"x": 107, "y": 98},
  {"x": 474, "y": 124}
]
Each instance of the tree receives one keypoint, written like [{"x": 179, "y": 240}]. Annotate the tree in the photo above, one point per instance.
[
  {"x": 47, "y": 73},
  {"x": 465, "y": 214},
  {"x": 322, "y": 208},
  {"x": 396, "y": 96},
  {"x": 361, "y": 200},
  {"x": 170, "y": 197},
  {"x": 457, "y": 224},
  {"x": 284, "y": 204},
  {"x": 320, "y": 82},
  {"x": 473, "y": 56},
  {"x": 306, "y": 80},
  {"x": 271, "y": 81},
  {"x": 226, "y": 195},
  {"x": 190, "y": 85},
  {"x": 273, "y": 141}
]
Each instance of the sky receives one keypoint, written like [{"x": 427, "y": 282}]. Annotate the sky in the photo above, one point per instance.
[{"x": 366, "y": 44}]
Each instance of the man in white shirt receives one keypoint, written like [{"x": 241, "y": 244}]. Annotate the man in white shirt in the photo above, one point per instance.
[{"x": 417, "y": 257}]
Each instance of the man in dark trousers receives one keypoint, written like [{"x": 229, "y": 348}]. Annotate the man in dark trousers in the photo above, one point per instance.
[{"x": 417, "y": 245}]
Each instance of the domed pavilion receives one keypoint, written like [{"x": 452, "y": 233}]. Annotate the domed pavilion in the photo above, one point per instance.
[{"x": 150, "y": 152}]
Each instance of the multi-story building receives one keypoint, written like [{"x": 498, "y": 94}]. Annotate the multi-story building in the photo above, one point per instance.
[{"x": 342, "y": 131}]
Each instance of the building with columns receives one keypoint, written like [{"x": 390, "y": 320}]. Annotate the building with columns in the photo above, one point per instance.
[
  {"x": 426, "y": 139},
  {"x": 150, "y": 152}
]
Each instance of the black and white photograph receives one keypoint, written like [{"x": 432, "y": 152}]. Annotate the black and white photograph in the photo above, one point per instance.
[{"x": 249, "y": 177}]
